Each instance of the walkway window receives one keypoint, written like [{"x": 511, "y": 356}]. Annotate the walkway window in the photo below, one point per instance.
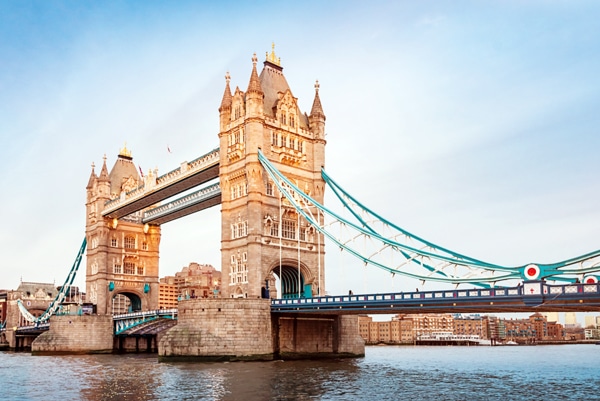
[{"x": 117, "y": 269}]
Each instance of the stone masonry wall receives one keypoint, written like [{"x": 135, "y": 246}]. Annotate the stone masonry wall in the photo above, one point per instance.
[
  {"x": 76, "y": 335},
  {"x": 318, "y": 337},
  {"x": 220, "y": 329},
  {"x": 350, "y": 341}
]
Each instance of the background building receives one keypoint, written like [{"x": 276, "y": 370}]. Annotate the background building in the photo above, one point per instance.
[
  {"x": 406, "y": 329},
  {"x": 193, "y": 281}
]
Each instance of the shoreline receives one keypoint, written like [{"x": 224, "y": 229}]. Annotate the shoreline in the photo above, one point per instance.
[{"x": 462, "y": 343}]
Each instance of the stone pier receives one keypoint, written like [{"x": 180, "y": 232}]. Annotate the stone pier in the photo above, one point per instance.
[
  {"x": 326, "y": 336},
  {"x": 244, "y": 329},
  {"x": 220, "y": 329},
  {"x": 76, "y": 335}
]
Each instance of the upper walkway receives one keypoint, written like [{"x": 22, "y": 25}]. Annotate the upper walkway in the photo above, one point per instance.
[{"x": 157, "y": 189}]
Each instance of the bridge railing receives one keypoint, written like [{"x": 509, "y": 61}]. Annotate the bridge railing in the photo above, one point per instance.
[
  {"x": 537, "y": 289},
  {"x": 155, "y": 312},
  {"x": 127, "y": 321}
]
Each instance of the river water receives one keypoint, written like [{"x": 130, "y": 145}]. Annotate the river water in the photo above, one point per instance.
[{"x": 552, "y": 372}]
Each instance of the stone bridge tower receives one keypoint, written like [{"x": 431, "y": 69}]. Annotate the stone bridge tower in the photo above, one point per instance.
[
  {"x": 262, "y": 236},
  {"x": 122, "y": 255}
]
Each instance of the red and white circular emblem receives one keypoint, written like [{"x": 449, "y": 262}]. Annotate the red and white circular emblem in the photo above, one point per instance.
[
  {"x": 532, "y": 272},
  {"x": 590, "y": 279}
]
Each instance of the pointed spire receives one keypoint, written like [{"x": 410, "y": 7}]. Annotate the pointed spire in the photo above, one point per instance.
[
  {"x": 317, "y": 109},
  {"x": 226, "y": 102},
  {"x": 93, "y": 178},
  {"x": 104, "y": 172},
  {"x": 254, "y": 85}
]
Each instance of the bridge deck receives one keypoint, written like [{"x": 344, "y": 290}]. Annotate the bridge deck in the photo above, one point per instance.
[{"x": 543, "y": 298}]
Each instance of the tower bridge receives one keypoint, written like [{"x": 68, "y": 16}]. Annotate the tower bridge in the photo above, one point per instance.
[{"x": 268, "y": 174}]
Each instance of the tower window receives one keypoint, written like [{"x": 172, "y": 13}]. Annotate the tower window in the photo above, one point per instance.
[
  {"x": 117, "y": 268},
  {"x": 288, "y": 229},
  {"x": 129, "y": 242},
  {"x": 129, "y": 268},
  {"x": 275, "y": 229}
]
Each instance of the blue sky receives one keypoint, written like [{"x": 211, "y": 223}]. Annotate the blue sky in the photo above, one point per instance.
[{"x": 471, "y": 124}]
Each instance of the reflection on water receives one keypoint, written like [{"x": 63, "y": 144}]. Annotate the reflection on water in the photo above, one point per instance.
[{"x": 386, "y": 373}]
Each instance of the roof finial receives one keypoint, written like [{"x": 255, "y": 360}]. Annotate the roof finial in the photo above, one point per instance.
[
  {"x": 272, "y": 58},
  {"x": 254, "y": 59},
  {"x": 227, "y": 77},
  {"x": 125, "y": 152},
  {"x": 317, "y": 86}
]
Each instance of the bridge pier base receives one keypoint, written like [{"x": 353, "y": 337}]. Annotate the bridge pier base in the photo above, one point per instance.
[
  {"x": 326, "y": 336},
  {"x": 88, "y": 334},
  {"x": 226, "y": 329},
  {"x": 219, "y": 329}
]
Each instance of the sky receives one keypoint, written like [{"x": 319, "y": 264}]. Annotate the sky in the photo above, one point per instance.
[{"x": 471, "y": 124}]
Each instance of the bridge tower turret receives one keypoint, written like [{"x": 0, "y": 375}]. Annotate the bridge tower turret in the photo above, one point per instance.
[
  {"x": 122, "y": 255},
  {"x": 264, "y": 240}
]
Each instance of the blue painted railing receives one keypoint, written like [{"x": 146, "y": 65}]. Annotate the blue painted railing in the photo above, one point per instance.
[{"x": 531, "y": 294}]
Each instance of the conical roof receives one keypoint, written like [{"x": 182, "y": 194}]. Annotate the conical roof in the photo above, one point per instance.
[
  {"x": 93, "y": 178},
  {"x": 226, "y": 102},
  {"x": 317, "y": 108},
  {"x": 123, "y": 175},
  {"x": 254, "y": 86},
  {"x": 273, "y": 82}
]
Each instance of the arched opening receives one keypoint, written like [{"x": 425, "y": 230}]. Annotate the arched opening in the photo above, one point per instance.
[
  {"x": 292, "y": 282},
  {"x": 125, "y": 302}
]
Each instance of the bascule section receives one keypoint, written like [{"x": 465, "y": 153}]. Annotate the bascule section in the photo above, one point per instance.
[
  {"x": 268, "y": 249},
  {"x": 123, "y": 251}
]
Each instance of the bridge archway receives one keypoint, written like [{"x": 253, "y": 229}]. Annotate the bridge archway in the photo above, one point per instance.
[
  {"x": 291, "y": 281},
  {"x": 125, "y": 302}
]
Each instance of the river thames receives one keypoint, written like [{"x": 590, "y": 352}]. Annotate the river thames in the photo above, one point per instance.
[{"x": 550, "y": 372}]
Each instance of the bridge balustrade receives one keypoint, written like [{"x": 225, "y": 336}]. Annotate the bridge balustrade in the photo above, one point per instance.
[
  {"x": 530, "y": 295},
  {"x": 127, "y": 321}
]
